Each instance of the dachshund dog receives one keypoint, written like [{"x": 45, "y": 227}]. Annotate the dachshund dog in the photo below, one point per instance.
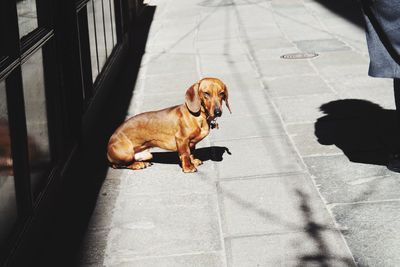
[{"x": 178, "y": 128}]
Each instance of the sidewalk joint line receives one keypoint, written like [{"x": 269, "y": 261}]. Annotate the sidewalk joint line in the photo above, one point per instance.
[
  {"x": 262, "y": 176},
  {"x": 333, "y": 205}
]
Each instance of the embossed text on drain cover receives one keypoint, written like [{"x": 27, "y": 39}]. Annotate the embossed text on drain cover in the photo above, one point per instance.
[{"x": 220, "y": 3}]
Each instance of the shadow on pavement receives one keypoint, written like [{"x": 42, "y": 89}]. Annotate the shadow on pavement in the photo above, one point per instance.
[
  {"x": 316, "y": 247},
  {"x": 85, "y": 177},
  {"x": 348, "y": 9},
  {"x": 214, "y": 153},
  {"x": 316, "y": 232},
  {"x": 364, "y": 131}
]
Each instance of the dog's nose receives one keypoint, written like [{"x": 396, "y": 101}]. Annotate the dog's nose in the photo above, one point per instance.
[{"x": 217, "y": 112}]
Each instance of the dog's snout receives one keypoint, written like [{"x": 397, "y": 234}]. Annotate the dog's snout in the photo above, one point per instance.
[{"x": 217, "y": 112}]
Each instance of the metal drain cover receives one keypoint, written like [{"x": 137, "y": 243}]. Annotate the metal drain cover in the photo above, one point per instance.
[
  {"x": 220, "y": 3},
  {"x": 303, "y": 55}
]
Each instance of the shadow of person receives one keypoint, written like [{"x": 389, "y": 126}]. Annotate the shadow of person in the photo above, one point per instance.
[
  {"x": 364, "y": 131},
  {"x": 349, "y": 10},
  {"x": 214, "y": 153}
]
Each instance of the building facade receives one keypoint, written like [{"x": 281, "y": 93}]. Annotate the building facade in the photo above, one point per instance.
[{"x": 55, "y": 57}]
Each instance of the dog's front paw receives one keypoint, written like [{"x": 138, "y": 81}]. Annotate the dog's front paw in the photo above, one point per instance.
[
  {"x": 188, "y": 169},
  {"x": 196, "y": 162}
]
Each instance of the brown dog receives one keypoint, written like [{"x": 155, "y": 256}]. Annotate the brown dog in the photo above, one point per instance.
[{"x": 177, "y": 128}]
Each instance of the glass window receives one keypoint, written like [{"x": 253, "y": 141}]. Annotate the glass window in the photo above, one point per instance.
[
  {"x": 3, "y": 22},
  {"x": 8, "y": 203},
  {"x": 100, "y": 32},
  {"x": 108, "y": 26},
  {"x": 27, "y": 16},
  {"x": 92, "y": 40},
  {"x": 36, "y": 121},
  {"x": 114, "y": 28}
]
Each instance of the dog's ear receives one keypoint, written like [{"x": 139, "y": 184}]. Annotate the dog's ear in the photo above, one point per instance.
[
  {"x": 192, "y": 98},
  {"x": 226, "y": 99}
]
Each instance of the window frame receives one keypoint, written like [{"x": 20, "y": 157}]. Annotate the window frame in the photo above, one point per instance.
[
  {"x": 16, "y": 52},
  {"x": 89, "y": 84}
]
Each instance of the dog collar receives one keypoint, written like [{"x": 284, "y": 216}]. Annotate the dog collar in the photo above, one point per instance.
[{"x": 214, "y": 124}]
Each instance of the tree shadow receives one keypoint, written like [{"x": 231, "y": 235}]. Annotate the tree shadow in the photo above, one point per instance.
[
  {"x": 364, "y": 131},
  {"x": 315, "y": 247},
  {"x": 213, "y": 153},
  {"x": 323, "y": 256}
]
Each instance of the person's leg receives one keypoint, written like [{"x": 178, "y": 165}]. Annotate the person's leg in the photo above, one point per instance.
[
  {"x": 396, "y": 86},
  {"x": 394, "y": 160}
]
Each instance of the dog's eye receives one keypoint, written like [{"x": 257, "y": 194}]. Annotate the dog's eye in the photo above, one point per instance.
[
  {"x": 206, "y": 94},
  {"x": 222, "y": 94}
]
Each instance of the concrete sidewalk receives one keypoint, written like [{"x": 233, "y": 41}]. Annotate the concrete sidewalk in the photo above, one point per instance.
[{"x": 294, "y": 177}]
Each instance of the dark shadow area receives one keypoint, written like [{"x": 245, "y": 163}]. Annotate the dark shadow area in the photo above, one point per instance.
[
  {"x": 84, "y": 178},
  {"x": 348, "y": 9},
  {"x": 364, "y": 131},
  {"x": 214, "y": 153},
  {"x": 323, "y": 256}
]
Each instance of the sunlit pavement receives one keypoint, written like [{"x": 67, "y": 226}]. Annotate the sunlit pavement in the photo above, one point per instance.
[{"x": 295, "y": 176}]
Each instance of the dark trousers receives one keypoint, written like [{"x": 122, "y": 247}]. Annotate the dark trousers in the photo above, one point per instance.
[{"x": 396, "y": 86}]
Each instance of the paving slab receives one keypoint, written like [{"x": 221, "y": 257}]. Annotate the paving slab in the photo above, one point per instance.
[
  {"x": 249, "y": 102},
  {"x": 262, "y": 13},
  {"x": 269, "y": 43},
  {"x": 257, "y": 157},
  {"x": 342, "y": 181},
  {"x": 375, "y": 90},
  {"x": 332, "y": 73},
  {"x": 296, "y": 85},
  {"x": 185, "y": 46},
  {"x": 171, "y": 64},
  {"x": 327, "y": 248},
  {"x": 161, "y": 178},
  {"x": 246, "y": 126},
  {"x": 306, "y": 143},
  {"x": 284, "y": 67},
  {"x": 219, "y": 18},
  {"x": 159, "y": 101},
  {"x": 93, "y": 248},
  {"x": 163, "y": 225},
  {"x": 214, "y": 67},
  {"x": 240, "y": 82},
  {"x": 303, "y": 108},
  {"x": 249, "y": 206},
  {"x": 275, "y": 53},
  {"x": 367, "y": 83},
  {"x": 322, "y": 45},
  {"x": 222, "y": 46},
  {"x": 200, "y": 259},
  {"x": 296, "y": 29},
  {"x": 168, "y": 83},
  {"x": 215, "y": 34},
  {"x": 255, "y": 29},
  {"x": 371, "y": 231},
  {"x": 94, "y": 243},
  {"x": 174, "y": 31},
  {"x": 381, "y": 96},
  {"x": 340, "y": 58},
  {"x": 209, "y": 59}
]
